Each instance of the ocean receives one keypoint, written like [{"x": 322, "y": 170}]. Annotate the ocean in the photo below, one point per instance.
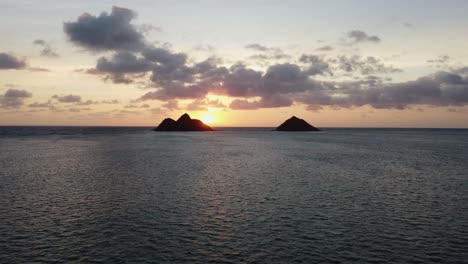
[{"x": 131, "y": 195}]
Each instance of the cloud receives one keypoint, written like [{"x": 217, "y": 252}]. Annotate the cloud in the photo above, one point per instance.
[
  {"x": 407, "y": 24},
  {"x": 120, "y": 65},
  {"x": 115, "y": 101},
  {"x": 123, "y": 62},
  {"x": 40, "y": 105},
  {"x": 78, "y": 109},
  {"x": 130, "y": 106},
  {"x": 205, "y": 48},
  {"x": 14, "y": 93},
  {"x": 73, "y": 101},
  {"x": 164, "y": 57},
  {"x": 9, "y": 61},
  {"x": 285, "y": 84},
  {"x": 364, "y": 65},
  {"x": 325, "y": 48},
  {"x": 47, "y": 50},
  {"x": 438, "y": 89},
  {"x": 38, "y": 69},
  {"x": 442, "y": 61},
  {"x": 358, "y": 36},
  {"x": 204, "y": 104},
  {"x": 147, "y": 28},
  {"x": 310, "y": 80},
  {"x": 106, "y": 32},
  {"x": 273, "y": 101},
  {"x": 266, "y": 54},
  {"x": 171, "y": 105},
  {"x": 13, "y": 98},
  {"x": 317, "y": 65},
  {"x": 67, "y": 98},
  {"x": 91, "y": 102},
  {"x": 257, "y": 47},
  {"x": 125, "y": 66}
]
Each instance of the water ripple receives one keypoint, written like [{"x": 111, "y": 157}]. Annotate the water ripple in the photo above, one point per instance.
[{"x": 341, "y": 196}]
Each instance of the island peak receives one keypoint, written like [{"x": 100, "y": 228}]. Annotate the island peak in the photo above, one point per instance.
[
  {"x": 184, "y": 123},
  {"x": 296, "y": 124}
]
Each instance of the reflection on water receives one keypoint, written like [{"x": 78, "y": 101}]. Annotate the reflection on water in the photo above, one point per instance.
[{"x": 130, "y": 195}]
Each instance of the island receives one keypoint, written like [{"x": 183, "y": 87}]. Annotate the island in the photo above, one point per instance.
[
  {"x": 184, "y": 123},
  {"x": 296, "y": 124}
]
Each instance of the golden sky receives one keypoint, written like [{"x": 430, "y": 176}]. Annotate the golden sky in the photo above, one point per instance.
[{"x": 133, "y": 63}]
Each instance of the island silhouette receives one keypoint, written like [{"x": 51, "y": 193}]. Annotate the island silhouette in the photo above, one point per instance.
[
  {"x": 295, "y": 124},
  {"x": 184, "y": 123}
]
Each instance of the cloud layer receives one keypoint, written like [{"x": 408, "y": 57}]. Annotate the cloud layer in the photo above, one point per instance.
[{"x": 314, "y": 80}]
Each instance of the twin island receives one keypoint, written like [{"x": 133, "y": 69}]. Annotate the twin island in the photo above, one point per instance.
[{"x": 185, "y": 123}]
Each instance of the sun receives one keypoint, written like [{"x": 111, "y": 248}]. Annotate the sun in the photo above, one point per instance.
[{"x": 207, "y": 119}]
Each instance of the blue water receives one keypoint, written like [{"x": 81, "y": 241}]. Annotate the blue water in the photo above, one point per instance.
[{"x": 130, "y": 195}]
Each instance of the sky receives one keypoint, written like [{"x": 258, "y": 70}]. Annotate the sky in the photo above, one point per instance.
[{"x": 366, "y": 63}]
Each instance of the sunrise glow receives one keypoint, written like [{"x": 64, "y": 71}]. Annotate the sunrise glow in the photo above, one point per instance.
[
  {"x": 207, "y": 119},
  {"x": 136, "y": 63}
]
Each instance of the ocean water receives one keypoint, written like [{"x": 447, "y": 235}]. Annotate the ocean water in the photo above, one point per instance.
[{"x": 130, "y": 195}]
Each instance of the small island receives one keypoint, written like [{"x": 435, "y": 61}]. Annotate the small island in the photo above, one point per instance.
[
  {"x": 296, "y": 124},
  {"x": 184, "y": 123}
]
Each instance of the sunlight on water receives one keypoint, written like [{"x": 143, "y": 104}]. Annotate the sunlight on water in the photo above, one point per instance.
[{"x": 342, "y": 195}]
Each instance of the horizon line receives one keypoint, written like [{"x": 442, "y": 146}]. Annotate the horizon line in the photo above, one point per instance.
[{"x": 266, "y": 127}]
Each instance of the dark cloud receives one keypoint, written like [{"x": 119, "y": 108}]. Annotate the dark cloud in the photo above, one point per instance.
[
  {"x": 276, "y": 87},
  {"x": 283, "y": 84},
  {"x": 14, "y": 98},
  {"x": 257, "y": 47},
  {"x": 48, "y": 104},
  {"x": 121, "y": 63},
  {"x": 112, "y": 31},
  {"x": 164, "y": 57},
  {"x": 364, "y": 65},
  {"x": 87, "y": 102},
  {"x": 126, "y": 66},
  {"x": 173, "y": 76},
  {"x": 317, "y": 65},
  {"x": 357, "y": 36},
  {"x": 325, "y": 48},
  {"x": 439, "y": 89},
  {"x": 110, "y": 101},
  {"x": 67, "y": 98},
  {"x": 38, "y": 69},
  {"x": 266, "y": 54},
  {"x": 47, "y": 49},
  {"x": 14, "y": 93},
  {"x": 9, "y": 61}
]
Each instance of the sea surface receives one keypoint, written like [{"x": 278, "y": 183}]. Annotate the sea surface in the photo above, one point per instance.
[{"x": 130, "y": 195}]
